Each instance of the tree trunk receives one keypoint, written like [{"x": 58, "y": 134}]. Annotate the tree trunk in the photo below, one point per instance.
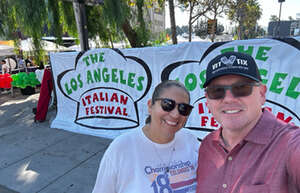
[
  {"x": 172, "y": 21},
  {"x": 130, "y": 34},
  {"x": 190, "y": 20}
]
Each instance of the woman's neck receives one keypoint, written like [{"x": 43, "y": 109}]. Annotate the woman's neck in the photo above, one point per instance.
[{"x": 156, "y": 137}]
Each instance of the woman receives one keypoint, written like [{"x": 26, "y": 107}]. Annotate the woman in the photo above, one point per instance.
[{"x": 159, "y": 157}]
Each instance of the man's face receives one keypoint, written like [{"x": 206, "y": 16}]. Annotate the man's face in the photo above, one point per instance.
[{"x": 236, "y": 113}]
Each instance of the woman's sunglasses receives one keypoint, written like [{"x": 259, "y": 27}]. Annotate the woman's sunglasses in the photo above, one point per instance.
[
  {"x": 169, "y": 104},
  {"x": 237, "y": 90}
]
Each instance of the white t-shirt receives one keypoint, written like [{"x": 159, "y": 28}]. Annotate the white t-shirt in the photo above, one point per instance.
[
  {"x": 21, "y": 63},
  {"x": 5, "y": 68},
  {"x": 135, "y": 164}
]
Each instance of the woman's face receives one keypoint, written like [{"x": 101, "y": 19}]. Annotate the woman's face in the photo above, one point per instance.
[{"x": 168, "y": 123}]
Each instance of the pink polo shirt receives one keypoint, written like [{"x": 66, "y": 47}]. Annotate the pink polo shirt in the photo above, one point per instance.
[{"x": 266, "y": 161}]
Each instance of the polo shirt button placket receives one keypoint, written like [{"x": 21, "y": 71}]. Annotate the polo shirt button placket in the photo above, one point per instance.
[{"x": 229, "y": 158}]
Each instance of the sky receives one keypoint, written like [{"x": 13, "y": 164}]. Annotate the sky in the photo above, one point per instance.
[{"x": 269, "y": 7}]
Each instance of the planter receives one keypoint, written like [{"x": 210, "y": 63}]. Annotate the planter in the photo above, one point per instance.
[{"x": 28, "y": 90}]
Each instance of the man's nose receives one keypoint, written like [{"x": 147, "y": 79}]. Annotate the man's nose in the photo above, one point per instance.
[{"x": 228, "y": 95}]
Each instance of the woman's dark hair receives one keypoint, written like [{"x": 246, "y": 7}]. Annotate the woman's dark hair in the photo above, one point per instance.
[{"x": 161, "y": 87}]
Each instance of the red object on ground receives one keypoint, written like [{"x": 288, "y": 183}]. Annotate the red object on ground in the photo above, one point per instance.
[
  {"x": 5, "y": 80},
  {"x": 45, "y": 95}
]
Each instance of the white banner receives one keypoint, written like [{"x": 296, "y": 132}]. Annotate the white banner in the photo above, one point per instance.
[{"x": 104, "y": 92}]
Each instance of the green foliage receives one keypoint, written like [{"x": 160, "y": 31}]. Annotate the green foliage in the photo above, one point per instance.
[
  {"x": 161, "y": 40},
  {"x": 54, "y": 17},
  {"x": 8, "y": 23},
  {"x": 111, "y": 22},
  {"x": 201, "y": 29},
  {"x": 246, "y": 14},
  {"x": 23, "y": 79},
  {"x": 68, "y": 17},
  {"x": 274, "y": 18}
]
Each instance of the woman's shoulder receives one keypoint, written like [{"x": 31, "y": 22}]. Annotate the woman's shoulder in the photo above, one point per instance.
[
  {"x": 187, "y": 136},
  {"x": 124, "y": 139}
]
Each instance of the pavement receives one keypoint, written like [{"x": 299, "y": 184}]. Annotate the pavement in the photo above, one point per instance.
[{"x": 35, "y": 158}]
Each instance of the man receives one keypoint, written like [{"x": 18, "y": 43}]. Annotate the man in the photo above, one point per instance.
[
  {"x": 4, "y": 67},
  {"x": 253, "y": 151},
  {"x": 21, "y": 64}
]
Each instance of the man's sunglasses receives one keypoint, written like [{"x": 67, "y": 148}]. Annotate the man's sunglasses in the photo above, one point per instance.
[
  {"x": 237, "y": 90},
  {"x": 169, "y": 104}
]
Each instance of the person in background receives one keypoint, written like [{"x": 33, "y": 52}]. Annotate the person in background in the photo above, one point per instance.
[
  {"x": 158, "y": 157},
  {"x": 21, "y": 64},
  {"x": 28, "y": 62},
  {"x": 4, "y": 67},
  {"x": 252, "y": 151}
]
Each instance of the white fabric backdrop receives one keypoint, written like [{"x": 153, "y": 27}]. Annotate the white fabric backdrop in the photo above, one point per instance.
[{"x": 103, "y": 92}]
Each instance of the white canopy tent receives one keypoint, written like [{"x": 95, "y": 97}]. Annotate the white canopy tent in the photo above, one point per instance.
[
  {"x": 27, "y": 46},
  {"x": 6, "y": 50}
]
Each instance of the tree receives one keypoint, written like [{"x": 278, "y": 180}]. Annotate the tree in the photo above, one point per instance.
[
  {"x": 196, "y": 9},
  {"x": 217, "y": 9},
  {"x": 201, "y": 29},
  {"x": 274, "y": 18},
  {"x": 246, "y": 13},
  {"x": 172, "y": 21}
]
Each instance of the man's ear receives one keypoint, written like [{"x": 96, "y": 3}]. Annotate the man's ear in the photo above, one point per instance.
[
  {"x": 207, "y": 101},
  {"x": 149, "y": 104},
  {"x": 262, "y": 92}
]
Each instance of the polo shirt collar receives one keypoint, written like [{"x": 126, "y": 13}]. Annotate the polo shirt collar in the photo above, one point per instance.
[{"x": 262, "y": 132}]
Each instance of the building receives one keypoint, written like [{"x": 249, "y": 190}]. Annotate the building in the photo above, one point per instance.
[
  {"x": 284, "y": 28},
  {"x": 156, "y": 16}
]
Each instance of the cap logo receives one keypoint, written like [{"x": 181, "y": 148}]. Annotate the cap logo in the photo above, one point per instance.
[{"x": 228, "y": 61}]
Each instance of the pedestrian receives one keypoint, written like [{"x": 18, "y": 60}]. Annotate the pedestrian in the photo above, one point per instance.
[
  {"x": 4, "y": 67},
  {"x": 158, "y": 157},
  {"x": 252, "y": 151},
  {"x": 21, "y": 64}
]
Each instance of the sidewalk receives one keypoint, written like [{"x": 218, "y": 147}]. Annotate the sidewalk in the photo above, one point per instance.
[{"x": 37, "y": 159}]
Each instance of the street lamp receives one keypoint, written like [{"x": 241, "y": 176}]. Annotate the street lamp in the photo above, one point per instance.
[
  {"x": 278, "y": 24},
  {"x": 80, "y": 16}
]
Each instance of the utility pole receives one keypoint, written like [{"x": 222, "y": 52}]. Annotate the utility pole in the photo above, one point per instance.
[
  {"x": 81, "y": 21},
  {"x": 279, "y": 22}
]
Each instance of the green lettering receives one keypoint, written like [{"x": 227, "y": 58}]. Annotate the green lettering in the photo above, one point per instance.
[
  {"x": 97, "y": 75},
  {"x": 291, "y": 90},
  {"x": 202, "y": 78},
  {"x": 105, "y": 75},
  {"x": 130, "y": 79},
  {"x": 139, "y": 87},
  {"x": 86, "y": 60},
  {"x": 101, "y": 58},
  {"x": 276, "y": 82},
  {"x": 227, "y": 50},
  {"x": 73, "y": 84},
  {"x": 122, "y": 80},
  {"x": 69, "y": 91},
  {"x": 94, "y": 58},
  {"x": 262, "y": 52},
  {"x": 190, "y": 81},
  {"x": 263, "y": 72},
  {"x": 89, "y": 77},
  {"x": 249, "y": 51},
  {"x": 79, "y": 80},
  {"x": 114, "y": 77}
]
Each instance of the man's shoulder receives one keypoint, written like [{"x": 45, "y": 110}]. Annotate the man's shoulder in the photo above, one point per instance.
[{"x": 211, "y": 136}]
